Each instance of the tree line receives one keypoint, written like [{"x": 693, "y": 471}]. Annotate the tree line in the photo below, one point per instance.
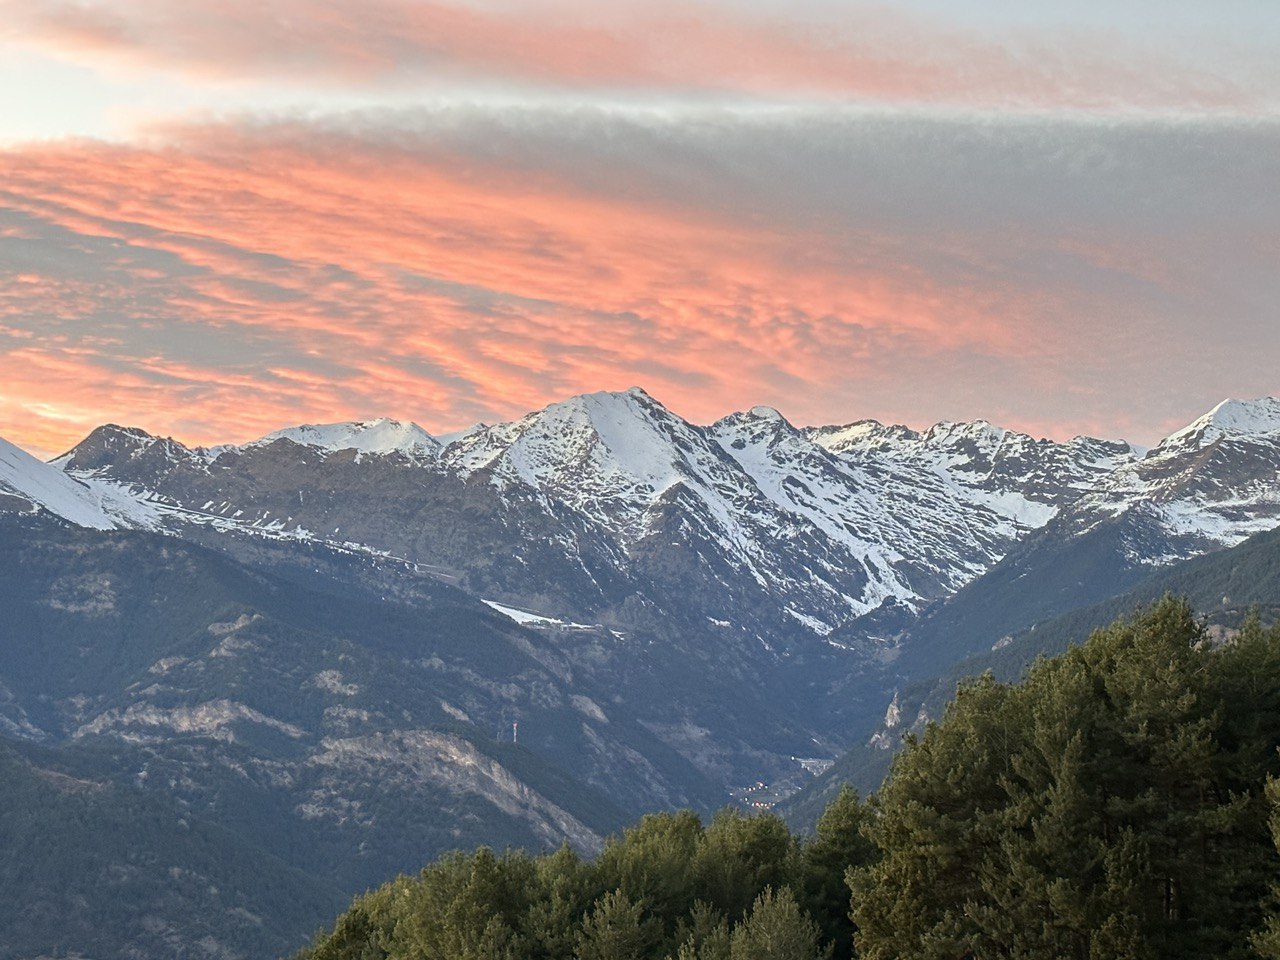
[{"x": 1119, "y": 802}]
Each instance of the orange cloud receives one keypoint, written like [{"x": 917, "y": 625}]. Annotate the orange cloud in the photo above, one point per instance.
[
  {"x": 867, "y": 52},
  {"x": 238, "y": 279},
  {"x": 287, "y": 284}
]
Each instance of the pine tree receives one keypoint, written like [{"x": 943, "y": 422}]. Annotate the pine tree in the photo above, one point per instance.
[
  {"x": 776, "y": 929},
  {"x": 563, "y": 892},
  {"x": 839, "y": 845},
  {"x": 1267, "y": 940},
  {"x": 932, "y": 824},
  {"x": 468, "y": 908},
  {"x": 617, "y": 929},
  {"x": 704, "y": 934},
  {"x": 739, "y": 855},
  {"x": 653, "y": 862},
  {"x": 1107, "y": 806}
]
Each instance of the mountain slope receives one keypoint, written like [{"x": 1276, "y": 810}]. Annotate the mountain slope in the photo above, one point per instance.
[
  {"x": 610, "y": 506},
  {"x": 97, "y": 867},
  {"x": 762, "y": 584},
  {"x": 338, "y": 732},
  {"x": 1224, "y": 585},
  {"x": 26, "y": 484},
  {"x": 1206, "y": 487}
]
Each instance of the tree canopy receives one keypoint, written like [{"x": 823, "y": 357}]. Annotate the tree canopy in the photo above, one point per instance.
[
  {"x": 1114, "y": 804},
  {"x": 1110, "y": 805}
]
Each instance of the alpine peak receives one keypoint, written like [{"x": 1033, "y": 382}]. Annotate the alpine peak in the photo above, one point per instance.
[
  {"x": 1239, "y": 418},
  {"x": 375, "y": 437}
]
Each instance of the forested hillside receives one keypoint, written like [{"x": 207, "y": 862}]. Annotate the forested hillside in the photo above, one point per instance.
[
  {"x": 1113, "y": 804},
  {"x": 1226, "y": 587},
  {"x": 103, "y": 862}
]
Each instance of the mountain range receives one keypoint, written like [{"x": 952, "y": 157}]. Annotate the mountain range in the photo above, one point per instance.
[{"x": 350, "y": 646}]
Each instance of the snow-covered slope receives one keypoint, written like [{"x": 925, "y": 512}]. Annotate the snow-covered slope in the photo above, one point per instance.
[
  {"x": 377, "y": 437},
  {"x": 836, "y": 520},
  {"x": 44, "y": 486},
  {"x": 1211, "y": 484},
  {"x": 609, "y": 455},
  {"x": 749, "y": 519},
  {"x": 625, "y": 464},
  {"x": 1022, "y": 476},
  {"x": 1229, "y": 419}
]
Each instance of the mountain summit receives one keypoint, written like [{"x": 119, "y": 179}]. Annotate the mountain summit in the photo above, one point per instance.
[
  {"x": 379, "y": 437},
  {"x": 607, "y": 500}
]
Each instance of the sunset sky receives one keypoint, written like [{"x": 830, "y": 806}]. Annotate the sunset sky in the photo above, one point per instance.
[{"x": 218, "y": 218}]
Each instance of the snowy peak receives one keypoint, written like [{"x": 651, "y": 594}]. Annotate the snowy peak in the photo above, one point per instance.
[
  {"x": 767, "y": 417},
  {"x": 379, "y": 437},
  {"x": 861, "y": 435},
  {"x": 949, "y": 433},
  {"x": 1230, "y": 418},
  {"x": 1103, "y": 454},
  {"x": 1209, "y": 485},
  {"x": 455, "y": 435},
  {"x": 978, "y": 452},
  {"x": 755, "y": 426},
  {"x": 601, "y": 439},
  {"x": 111, "y": 445},
  {"x": 872, "y": 435}
]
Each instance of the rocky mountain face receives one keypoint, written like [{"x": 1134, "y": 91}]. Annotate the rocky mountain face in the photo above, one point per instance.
[
  {"x": 337, "y": 625},
  {"x": 774, "y": 558},
  {"x": 609, "y": 506},
  {"x": 341, "y": 719}
]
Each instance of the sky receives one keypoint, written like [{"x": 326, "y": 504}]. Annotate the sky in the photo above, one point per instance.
[{"x": 219, "y": 217}]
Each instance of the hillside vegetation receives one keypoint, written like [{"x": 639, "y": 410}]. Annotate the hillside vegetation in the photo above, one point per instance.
[
  {"x": 1113, "y": 804},
  {"x": 1225, "y": 587}
]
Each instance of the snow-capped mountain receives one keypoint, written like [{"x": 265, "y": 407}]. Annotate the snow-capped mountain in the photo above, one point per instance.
[
  {"x": 380, "y": 437},
  {"x": 669, "y": 609},
  {"x": 609, "y": 505},
  {"x": 1209, "y": 485}
]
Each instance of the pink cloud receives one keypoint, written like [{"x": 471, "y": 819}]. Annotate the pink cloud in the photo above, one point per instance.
[
  {"x": 322, "y": 291},
  {"x": 238, "y": 280}
]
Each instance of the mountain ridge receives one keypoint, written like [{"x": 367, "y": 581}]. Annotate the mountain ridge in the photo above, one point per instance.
[{"x": 876, "y": 513}]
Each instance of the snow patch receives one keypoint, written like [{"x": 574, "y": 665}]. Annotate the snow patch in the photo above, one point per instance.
[
  {"x": 375, "y": 437},
  {"x": 526, "y": 618},
  {"x": 813, "y": 623}
]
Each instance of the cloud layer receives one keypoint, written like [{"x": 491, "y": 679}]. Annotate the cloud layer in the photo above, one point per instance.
[
  {"x": 849, "y": 51},
  {"x": 471, "y": 262}
]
